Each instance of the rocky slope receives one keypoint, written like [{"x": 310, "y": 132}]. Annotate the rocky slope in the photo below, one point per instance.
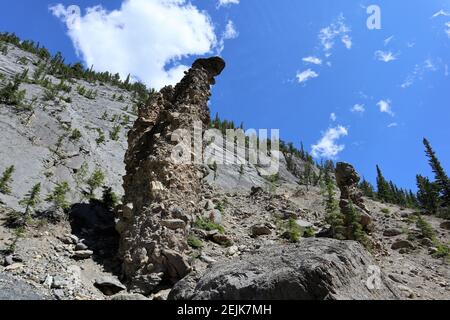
[
  {"x": 159, "y": 239},
  {"x": 51, "y": 138}
]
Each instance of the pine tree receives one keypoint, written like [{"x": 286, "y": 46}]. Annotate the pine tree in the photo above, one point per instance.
[
  {"x": 367, "y": 188},
  {"x": 383, "y": 191},
  {"x": 30, "y": 201},
  {"x": 334, "y": 216},
  {"x": 109, "y": 198},
  {"x": 412, "y": 200},
  {"x": 442, "y": 180},
  {"x": 302, "y": 151},
  {"x": 355, "y": 231},
  {"x": 428, "y": 195},
  {"x": 95, "y": 181},
  {"x": 10, "y": 94},
  {"x": 58, "y": 196},
  {"x": 6, "y": 180},
  {"x": 216, "y": 122},
  {"x": 306, "y": 177}
]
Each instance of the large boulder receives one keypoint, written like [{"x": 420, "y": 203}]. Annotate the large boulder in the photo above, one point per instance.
[
  {"x": 15, "y": 289},
  {"x": 314, "y": 269}
]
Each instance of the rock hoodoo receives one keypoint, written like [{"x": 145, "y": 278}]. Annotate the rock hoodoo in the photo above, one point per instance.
[
  {"x": 347, "y": 180},
  {"x": 161, "y": 194}
]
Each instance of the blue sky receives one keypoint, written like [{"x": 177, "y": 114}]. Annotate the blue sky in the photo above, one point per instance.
[{"x": 310, "y": 68}]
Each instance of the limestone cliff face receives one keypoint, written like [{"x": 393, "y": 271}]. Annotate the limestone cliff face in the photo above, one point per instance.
[{"x": 161, "y": 196}]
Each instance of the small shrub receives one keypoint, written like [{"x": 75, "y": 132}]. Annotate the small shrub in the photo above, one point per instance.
[
  {"x": 95, "y": 181},
  {"x": 76, "y": 135},
  {"x": 11, "y": 95},
  {"x": 4, "y": 49},
  {"x": 208, "y": 225},
  {"x": 62, "y": 86},
  {"x": 29, "y": 202},
  {"x": 101, "y": 137},
  {"x": 6, "y": 180},
  {"x": 385, "y": 211},
  {"x": 81, "y": 174},
  {"x": 24, "y": 75},
  {"x": 273, "y": 178},
  {"x": 443, "y": 251},
  {"x": 194, "y": 242},
  {"x": 426, "y": 229},
  {"x": 81, "y": 90},
  {"x": 125, "y": 119},
  {"x": 22, "y": 61},
  {"x": 292, "y": 231},
  {"x": 221, "y": 206},
  {"x": 412, "y": 219},
  {"x": 38, "y": 73},
  {"x": 114, "y": 133},
  {"x": 90, "y": 94},
  {"x": 58, "y": 196},
  {"x": 309, "y": 233},
  {"x": 50, "y": 94},
  {"x": 29, "y": 106},
  {"x": 114, "y": 118}
]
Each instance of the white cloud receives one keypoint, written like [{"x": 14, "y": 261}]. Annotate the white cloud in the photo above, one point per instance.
[
  {"x": 429, "y": 65},
  {"x": 347, "y": 41},
  {"x": 440, "y": 13},
  {"x": 229, "y": 33},
  {"x": 408, "y": 82},
  {"x": 146, "y": 38},
  {"x": 392, "y": 125},
  {"x": 419, "y": 71},
  {"x": 388, "y": 40},
  {"x": 358, "y": 108},
  {"x": 385, "y": 56},
  {"x": 327, "y": 146},
  {"x": 312, "y": 60},
  {"x": 336, "y": 30},
  {"x": 223, "y": 3},
  {"x": 385, "y": 107},
  {"x": 333, "y": 117},
  {"x": 306, "y": 75}
]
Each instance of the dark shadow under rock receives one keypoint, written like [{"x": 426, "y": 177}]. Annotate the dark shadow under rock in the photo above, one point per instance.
[{"x": 94, "y": 225}]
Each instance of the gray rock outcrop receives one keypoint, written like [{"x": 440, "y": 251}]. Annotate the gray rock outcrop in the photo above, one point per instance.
[
  {"x": 315, "y": 269},
  {"x": 15, "y": 289}
]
